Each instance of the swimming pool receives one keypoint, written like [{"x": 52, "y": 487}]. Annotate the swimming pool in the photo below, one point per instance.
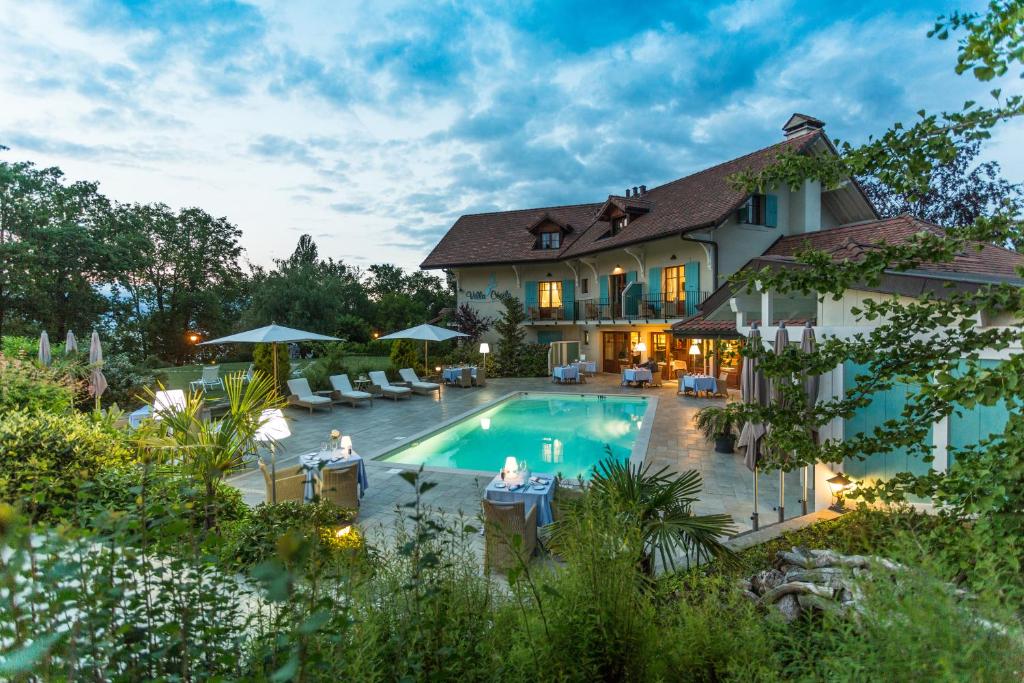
[{"x": 553, "y": 433}]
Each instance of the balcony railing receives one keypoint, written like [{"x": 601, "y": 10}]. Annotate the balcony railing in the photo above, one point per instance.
[{"x": 647, "y": 307}]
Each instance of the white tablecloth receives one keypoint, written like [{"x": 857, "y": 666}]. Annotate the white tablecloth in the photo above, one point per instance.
[
  {"x": 567, "y": 372},
  {"x": 636, "y": 375},
  {"x": 311, "y": 461},
  {"x": 528, "y": 494},
  {"x": 588, "y": 366}
]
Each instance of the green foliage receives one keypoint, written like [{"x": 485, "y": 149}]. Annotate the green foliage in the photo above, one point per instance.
[
  {"x": 511, "y": 347},
  {"x": 46, "y": 458},
  {"x": 659, "y": 505},
  {"x": 714, "y": 421},
  {"x": 26, "y": 386},
  {"x": 26, "y": 348},
  {"x": 330, "y": 360},
  {"x": 126, "y": 381},
  {"x": 405, "y": 353},
  {"x": 253, "y": 539},
  {"x": 263, "y": 359}
]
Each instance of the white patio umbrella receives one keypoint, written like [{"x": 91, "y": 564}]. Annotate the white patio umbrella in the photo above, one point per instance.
[
  {"x": 70, "y": 344},
  {"x": 97, "y": 382},
  {"x": 44, "y": 349},
  {"x": 811, "y": 384},
  {"x": 271, "y": 334},
  {"x": 753, "y": 391},
  {"x": 426, "y": 333}
]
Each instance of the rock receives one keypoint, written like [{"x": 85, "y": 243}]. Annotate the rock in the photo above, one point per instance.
[
  {"x": 764, "y": 581},
  {"x": 789, "y": 607}
]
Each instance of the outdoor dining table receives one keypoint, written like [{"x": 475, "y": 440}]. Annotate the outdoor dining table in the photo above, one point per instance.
[
  {"x": 566, "y": 373},
  {"x": 453, "y": 374},
  {"x": 310, "y": 463},
  {"x": 531, "y": 494},
  {"x": 587, "y": 366},
  {"x": 638, "y": 375},
  {"x": 699, "y": 383}
]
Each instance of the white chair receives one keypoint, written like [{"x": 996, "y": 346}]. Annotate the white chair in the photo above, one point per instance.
[
  {"x": 249, "y": 372},
  {"x": 304, "y": 397},
  {"x": 210, "y": 379},
  {"x": 416, "y": 384},
  {"x": 380, "y": 380},
  {"x": 343, "y": 391}
]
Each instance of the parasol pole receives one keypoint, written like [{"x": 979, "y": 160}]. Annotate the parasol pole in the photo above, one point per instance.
[
  {"x": 782, "y": 496},
  {"x": 754, "y": 516}
]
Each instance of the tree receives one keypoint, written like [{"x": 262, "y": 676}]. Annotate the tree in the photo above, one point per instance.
[
  {"x": 958, "y": 193},
  {"x": 511, "y": 350},
  {"x": 263, "y": 360},
  {"x": 931, "y": 343},
  {"x": 405, "y": 353},
  {"x": 306, "y": 292},
  {"x": 471, "y": 323}
]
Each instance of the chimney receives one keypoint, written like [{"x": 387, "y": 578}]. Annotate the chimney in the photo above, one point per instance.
[
  {"x": 801, "y": 124},
  {"x": 627, "y": 191},
  {"x": 643, "y": 189},
  {"x": 635, "y": 191}
]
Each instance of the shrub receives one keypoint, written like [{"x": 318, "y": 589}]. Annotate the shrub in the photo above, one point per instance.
[
  {"x": 255, "y": 538},
  {"x": 20, "y": 347},
  {"x": 263, "y": 359},
  {"x": 330, "y": 361},
  {"x": 26, "y": 386},
  {"x": 126, "y": 382},
  {"x": 45, "y": 458},
  {"x": 405, "y": 353}
]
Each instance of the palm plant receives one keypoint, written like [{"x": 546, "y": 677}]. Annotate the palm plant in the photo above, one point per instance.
[
  {"x": 660, "y": 504},
  {"x": 206, "y": 449}
]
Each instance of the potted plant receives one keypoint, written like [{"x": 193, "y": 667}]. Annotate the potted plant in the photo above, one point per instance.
[{"x": 720, "y": 423}]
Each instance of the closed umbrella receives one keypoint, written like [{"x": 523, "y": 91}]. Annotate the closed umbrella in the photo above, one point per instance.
[
  {"x": 781, "y": 342},
  {"x": 811, "y": 383},
  {"x": 70, "y": 344},
  {"x": 753, "y": 392},
  {"x": 426, "y": 333},
  {"x": 97, "y": 382},
  {"x": 44, "y": 349},
  {"x": 271, "y": 334}
]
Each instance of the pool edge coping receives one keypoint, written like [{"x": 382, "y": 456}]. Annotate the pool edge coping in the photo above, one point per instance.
[{"x": 636, "y": 456}]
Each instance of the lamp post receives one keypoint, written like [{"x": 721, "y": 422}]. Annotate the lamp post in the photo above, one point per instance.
[
  {"x": 485, "y": 349},
  {"x": 839, "y": 484},
  {"x": 694, "y": 352},
  {"x": 273, "y": 427},
  {"x": 640, "y": 349}
]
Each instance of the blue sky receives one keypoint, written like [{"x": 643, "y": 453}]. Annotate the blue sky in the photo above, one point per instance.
[{"x": 373, "y": 125}]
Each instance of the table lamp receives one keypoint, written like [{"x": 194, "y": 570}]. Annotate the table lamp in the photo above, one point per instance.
[
  {"x": 273, "y": 426},
  {"x": 346, "y": 444}
]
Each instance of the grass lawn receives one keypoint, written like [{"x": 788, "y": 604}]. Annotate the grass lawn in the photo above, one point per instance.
[{"x": 179, "y": 377}]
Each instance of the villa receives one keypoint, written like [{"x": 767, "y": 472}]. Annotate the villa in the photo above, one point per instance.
[{"x": 644, "y": 275}]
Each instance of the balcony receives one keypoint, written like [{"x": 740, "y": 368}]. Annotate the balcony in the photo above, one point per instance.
[{"x": 636, "y": 308}]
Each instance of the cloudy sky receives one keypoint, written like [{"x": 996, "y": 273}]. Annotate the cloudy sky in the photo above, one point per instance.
[{"x": 373, "y": 125}]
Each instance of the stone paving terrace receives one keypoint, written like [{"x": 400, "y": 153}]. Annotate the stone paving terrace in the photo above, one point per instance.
[{"x": 674, "y": 442}]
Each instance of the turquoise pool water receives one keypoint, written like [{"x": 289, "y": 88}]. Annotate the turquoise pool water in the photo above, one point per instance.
[{"x": 553, "y": 433}]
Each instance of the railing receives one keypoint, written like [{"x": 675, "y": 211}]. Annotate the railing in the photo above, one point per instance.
[{"x": 640, "y": 307}]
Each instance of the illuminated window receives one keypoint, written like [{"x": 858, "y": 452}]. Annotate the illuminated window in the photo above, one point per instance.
[
  {"x": 673, "y": 283},
  {"x": 549, "y": 294}
]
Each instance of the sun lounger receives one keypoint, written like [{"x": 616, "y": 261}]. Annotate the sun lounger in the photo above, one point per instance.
[
  {"x": 304, "y": 397},
  {"x": 416, "y": 384},
  {"x": 380, "y": 380},
  {"x": 344, "y": 393}
]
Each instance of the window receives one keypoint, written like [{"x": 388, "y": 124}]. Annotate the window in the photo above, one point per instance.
[
  {"x": 618, "y": 223},
  {"x": 673, "y": 283},
  {"x": 760, "y": 209},
  {"x": 584, "y": 286},
  {"x": 549, "y": 294},
  {"x": 549, "y": 240}
]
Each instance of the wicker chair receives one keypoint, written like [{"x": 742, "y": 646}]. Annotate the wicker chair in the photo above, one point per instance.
[
  {"x": 341, "y": 486},
  {"x": 502, "y": 523},
  {"x": 289, "y": 486},
  {"x": 481, "y": 376},
  {"x": 466, "y": 377}
]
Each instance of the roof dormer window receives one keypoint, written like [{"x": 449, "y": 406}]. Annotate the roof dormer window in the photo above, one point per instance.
[
  {"x": 549, "y": 240},
  {"x": 619, "y": 223}
]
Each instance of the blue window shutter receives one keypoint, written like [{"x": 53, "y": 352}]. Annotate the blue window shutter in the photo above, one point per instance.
[
  {"x": 654, "y": 289},
  {"x": 569, "y": 298},
  {"x": 771, "y": 211},
  {"x": 633, "y": 295},
  {"x": 604, "y": 291},
  {"x": 691, "y": 276},
  {"x": 531, "y": 297}
]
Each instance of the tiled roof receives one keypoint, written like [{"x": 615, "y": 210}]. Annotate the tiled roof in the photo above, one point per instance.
[
  {"x": 851, "y": 241},
  {"x": 697, "y": 326},
  {"x": 700, "y": 200},
  {"x": 504, "y": 237}
]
